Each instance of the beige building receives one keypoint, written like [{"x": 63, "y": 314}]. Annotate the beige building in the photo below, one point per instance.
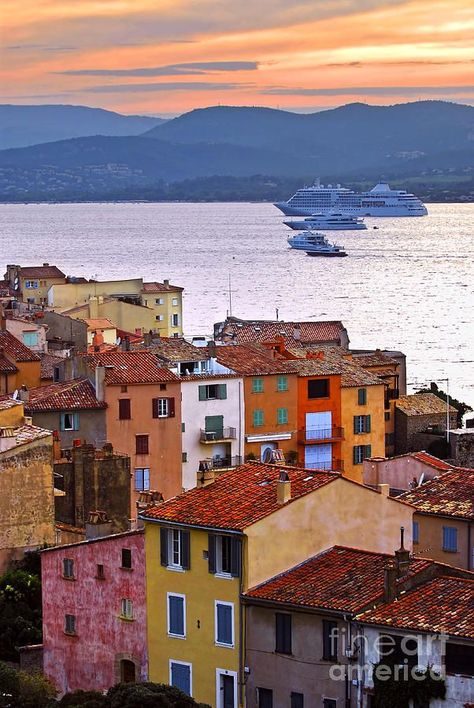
[
  {"x": 31, "y": 283},
  {"x": 26, "y": 484}
]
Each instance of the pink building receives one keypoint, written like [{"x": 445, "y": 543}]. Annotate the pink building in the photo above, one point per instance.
[
  {"x": 403, "y": 472},
  {"x": 94, "y": 612}
]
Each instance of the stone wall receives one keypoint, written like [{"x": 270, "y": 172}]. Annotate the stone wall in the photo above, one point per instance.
[{"x": 409, "y": 427}]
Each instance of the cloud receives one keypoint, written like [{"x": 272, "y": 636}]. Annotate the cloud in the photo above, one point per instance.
[
  {"x": 40, "y": 48},
  {"x": 165, "y": 86},
  {"x": 368, "y": 90},
  {"x": 205, "y": 67}
]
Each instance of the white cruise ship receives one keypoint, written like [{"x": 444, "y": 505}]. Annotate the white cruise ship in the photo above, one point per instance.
[
  {"x": 332, "y": 221},
  {"x": 379, "y": 201}
]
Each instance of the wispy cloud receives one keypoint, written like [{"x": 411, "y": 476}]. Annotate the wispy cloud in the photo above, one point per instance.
[
  {"x": 204, "y": 67},
  {"x": 369, "y": 90},
  {"x": 164, "y": 86}
]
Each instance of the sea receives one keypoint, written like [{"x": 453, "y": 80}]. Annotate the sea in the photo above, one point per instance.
[{"x": 407, "y": 283}]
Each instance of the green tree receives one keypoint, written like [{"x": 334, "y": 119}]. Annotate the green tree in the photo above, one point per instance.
[
  {"x": 20, "y": 612},
  {"x": 19, "y": 689},
  {"x": 461, "y": 407}
]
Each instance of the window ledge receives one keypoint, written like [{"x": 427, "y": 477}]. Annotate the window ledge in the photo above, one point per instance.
[
  {"x": 69, "y": 577},
  {"x": 176, "y": 636},
  {"x": 176, "y": 568},
  {"x": 126, "y": 619},
  {"x": 225, "y": 576},
  {"x": 123, "y": 567},
  {"x": 450, "y": 550},
  {"x": 70, "y": 634},
  {"x": 224, "y": 646}
]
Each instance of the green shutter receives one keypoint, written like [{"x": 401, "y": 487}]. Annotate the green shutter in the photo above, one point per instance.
[
  {"x": 354, "y": 455},
  {"x": 75, "y": 419},
  {"x": 61, "y": 421},
  {"x": 362, "y": 396},
  {"x": 282, "y": 415},
  {"x": 367, "y": 423},
  {"x": 356, "y": 430},
  {"x": 257, "y": 385},
  {"x": 368, "y": 451},
  {"x": 282, "y": 384},
  {"x": 222, "y": 391},
  {"x": 202, "y": 393},
  {"x": 257, "y": 417}
]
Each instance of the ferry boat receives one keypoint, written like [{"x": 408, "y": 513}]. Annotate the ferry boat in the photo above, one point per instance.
[
  {"x": 315, "y": 244},
  {"x": 379, "y": 201},
  {"x": 333, "y": 221}
]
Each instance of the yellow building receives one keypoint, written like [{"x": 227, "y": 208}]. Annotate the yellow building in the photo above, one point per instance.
[
  {"x": 31, "y": 283},
  {"x": 210, "y": 544}
]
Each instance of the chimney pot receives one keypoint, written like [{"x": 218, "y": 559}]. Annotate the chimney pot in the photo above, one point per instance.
[
  {"x": 283, "y": 488},
  {"x": 390, "y": 582},
  {"x": 384, "y": 489}
]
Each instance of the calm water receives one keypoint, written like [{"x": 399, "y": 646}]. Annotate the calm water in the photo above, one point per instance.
[{"x": 408, "y": 285}]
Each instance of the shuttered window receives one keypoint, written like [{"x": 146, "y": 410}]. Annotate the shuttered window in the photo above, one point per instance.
[
  {"x": 68, "y": 568},
  {"x": 180, "y": 676},
  {"x": 70, "y": 624},
  {"x": 175, "y": 548},
  {"x": 126, "y": 558},
  {"x": 282, "y": 383},
  {"x": 163, "y": 407},
  {"x": 225, "y": 623},
  {"x": 69, "y": 421},
  {"x": 362, "y": 396},
  {"x": 176, "y": 615},
  {"x": 362, "y": 424},
  {"x": 282, "y": 633},
  {"x": 361, "y": 453},
  {"x": 224, "y": 555},
  {"x": 141, "y": 445},
  {"x": 126, "y": 609},
  {"x": 257, "y": 385},
  {"x": 282, "y": 416},
  {"x": 265, "y": 698},
  {"x": 297, "y": 700},
  {"x": 124, "y": 409},
  {"x": 450, "y": 539},
  {"x": 329, "y": 640},
  {"x": 212, "y": 392},
  {"x": 258, "y": 418}
]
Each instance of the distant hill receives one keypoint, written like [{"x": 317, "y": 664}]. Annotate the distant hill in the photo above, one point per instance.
[
  {"x": 21, "y": 126},
  {"x": 349, "y": 144}
]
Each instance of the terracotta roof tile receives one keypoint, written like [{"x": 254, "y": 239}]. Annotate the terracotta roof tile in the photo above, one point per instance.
[
  {"x": 377, "y": 358},
  {"x": 44, "y": 271},
  {"x": 99, "y": 323},
  {"x": 422, "y": 404},
  {"x": 341, "y": 578},
  {"x": 25, "y": 434},
  {"x": 63, "y": 395},
  {"x": 431, "y": 460},
  {"x": 14, "y": 349},
  {"x": 238, "y": 498},
  {"x": 444, "y": 605},
  {"x": 252, "y": 360},
  {"x": 48, "y": 362},
  {"x": 6, "y": 402},
  {"x": 175, "y": 349},
  {"x": 242, "y": 331},
  {"x": 450, "y": 494},
  {"x": 160, "y": 288},
  {"x": 134, "y": 367},
  {"x": 6, "y": 367}
]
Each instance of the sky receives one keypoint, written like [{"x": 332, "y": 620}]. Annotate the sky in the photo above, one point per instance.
[{"x": 165, "y": 57}]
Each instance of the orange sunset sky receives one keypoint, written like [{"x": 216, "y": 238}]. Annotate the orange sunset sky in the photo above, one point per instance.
[{"x": 165, "y": 57}]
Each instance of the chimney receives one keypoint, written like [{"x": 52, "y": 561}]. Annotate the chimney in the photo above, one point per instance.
[
  {"x": 211, "y": 348},
  {"x": 98, "y": 526},
  {"x": 3, "y": 319},
  {"x": 97, "y": 340},
  {"x": 56, "y": 445},
  {"x": 166, "y": 282},
  {"x": 402, "y": 556},
  {"x": 283, "y": 488},
  {"x": 93, "y": 308},
  {"x": 24, "y": 394},
  {"x": 384, "y": 489},
  {"x": 390, "y": 582},
  {"x": 45, "y": 265},
  {"x": 297, "y": 331},
  {"x": 100, "y": 383},
  {"x": 147, "y": 338}
]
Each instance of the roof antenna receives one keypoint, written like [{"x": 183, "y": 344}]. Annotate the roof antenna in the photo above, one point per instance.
[
  {"x": 402, "y": 535},
  {"x": 276, "y": 311}
]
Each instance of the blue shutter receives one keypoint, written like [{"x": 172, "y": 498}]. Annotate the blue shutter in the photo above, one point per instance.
[
  {"x": 176, "y": 615},
  {"x": 61, "y": 421},
  {"x": 139, "y": 479},
  {"x": 181, "y": 677},
  {"x": 75, "y": 421},
  {"x": 146, "y": 478},
  {"x": 224, "y": 624},
  {"x": 450, "y": 538}
]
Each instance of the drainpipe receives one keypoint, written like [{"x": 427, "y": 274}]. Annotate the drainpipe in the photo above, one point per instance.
[
  {"x": 242, "y": 630},
  {"x": 470, "y": 564},
  {"x": 240, "y": 421}
]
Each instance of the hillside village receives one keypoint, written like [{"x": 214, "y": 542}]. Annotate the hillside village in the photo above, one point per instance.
[{"x": 262, "y": 517}]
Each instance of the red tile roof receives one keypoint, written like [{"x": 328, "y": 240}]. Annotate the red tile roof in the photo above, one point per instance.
[
  {"x": 450, "y": 494},
  {"x": 431, "y": 460},
  {"x": 133, "y": 367},
  {"x": 6, "y": 367},
  {"x": 241, "y": 331},
  {"x": 252, "y": 360},
  {"x": 160, "y": 288},
  {"x": 48, "y": 362},
  {"x": 341, "y": 578},
  {"x": 14, "y": 349},
  {"x": 444, "y": 605},
  {"x": 239, "y": 498},
  {"x": 176, "y": 349},
  {"x": 44, "y": 271},
  {"x": 376, "y": 358},
  {"x": 422, "y": 404},
  {"x": 63, "y": 395}
]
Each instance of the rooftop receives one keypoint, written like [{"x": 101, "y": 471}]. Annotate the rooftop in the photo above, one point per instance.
[
  {"x": 241, "y": 331},
  {"x": 165, "y": 287},
  {"x": 450, "y": 494},
  {"x": 252, "y": 360},
  {"x": 134, "y": 367},
  {"x": 176, "y": 349},
  {"x": 341, "y": 578},
  {"x": 376, "y": 358},
  {"x": 6, "y": 403},
  {"x": 99, "y": 323},
  {"x": 422, "y": 404},
  {"x": 63, "y": 395},
  {"x": 14, "y": 349},
  {"x": 440, "y": 606},
  {"x": 22, "y": 435},
  {"x": 239, "y": 498},
  {"x": 43, "y": 271},
  {"x": 6, "y": 367},
  {"x": 48, "y": 362}
]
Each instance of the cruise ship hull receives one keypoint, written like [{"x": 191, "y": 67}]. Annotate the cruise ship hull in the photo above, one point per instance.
[
  {"x": 324, "y": 226},
  {"x": 387, "y": 210}
]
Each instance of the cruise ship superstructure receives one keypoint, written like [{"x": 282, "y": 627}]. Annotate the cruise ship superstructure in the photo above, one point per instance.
[{"x": 379, "y": 201}]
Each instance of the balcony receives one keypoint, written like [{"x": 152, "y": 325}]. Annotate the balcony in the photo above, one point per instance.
[
  {"x": 391, "y": 394},
  {"x": 310, "y": 436},
  {"x": 208, "y": 437},
  {"x": 219, "y": 463},
  {"x": 330, "y": 466}
]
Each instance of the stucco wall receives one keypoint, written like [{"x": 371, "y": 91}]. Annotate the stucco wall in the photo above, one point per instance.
[
  {"x": 92, "y": 427},
  {"x": 70, "y": 294},
  {"x": 430, "y": 544},
  {"x": 18, "y": 327},
  {"x": 88, "y": 660},
  {"x": 398, "y": 472},
  {"x": 376, "y": 438}
]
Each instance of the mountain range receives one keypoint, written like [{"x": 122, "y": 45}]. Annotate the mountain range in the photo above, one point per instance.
[{"x": 350, "y": 143}]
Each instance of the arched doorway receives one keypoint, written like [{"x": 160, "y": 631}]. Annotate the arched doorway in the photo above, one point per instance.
[{"x": 128, "y": 672}]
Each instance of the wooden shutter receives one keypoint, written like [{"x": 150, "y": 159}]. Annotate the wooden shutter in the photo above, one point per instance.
[
  {"x": 203, "y": 393},
  {"x": 329, "y": 640},
  {"x": 212, "y": 553},
  {"x": 171, "y": 408},
  {"x": 185, "y": 550},
  {"x": 124, "y": 409},
  {"x": 368, "y": 451},
  {"x": 354, "y": 455},
  {"x": 235, "y": 557},
  {"x": 62, "y": 419},
  {"x": 356, "y": 430},
  {"x": 367, "y": 423},
  {"x": 154, "y": 407},
  {"x": 163, "y": 546},
  {"x": 222, "y": 391},
  {"x": 283, "y": 633}
]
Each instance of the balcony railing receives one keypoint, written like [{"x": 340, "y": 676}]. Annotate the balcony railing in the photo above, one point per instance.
[
  {"x": 219, "y": 463},
  {"x": 321, "y": 435},
  {"x": 330, "y": 466},
  {"x": 210, "y": 436}
]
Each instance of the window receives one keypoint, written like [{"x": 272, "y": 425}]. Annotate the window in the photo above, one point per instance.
[
  {"x": 398, "y": 650},
  {"x": 70, "y": 624},
  {"x": 184, "y": 457},
  {"x": 389, "y": 439},
  {"x": 175, "y": 548},
  {"x": 100, "y": 574},
  {"x": 224, "y": 555},
  {"x": 124, "y": 409},
  {"x": 56, "y": 373},
  {"x": 282, "y": 415},
  {"x": 162, "y": 387},
  {"x": 361, "y": 453},
  {"x": 30, "y": 339},
  {"x": 329, "y": 640},
  {"x": 159, "y": 301},
  {"x": 416, "y": 532},
  {"x": 224, "y": 617},
  {"x": 181, "y": 676},
  {"x": 282, "y": 633},
  {"x": 450, "y": 539},
  {"x": 362, "y": 396},
  {"x": 31, "y": 284},
  {"x": 297, "y": 700},
  {"x": 175, "y": 320},
  {"x": 174, "y": 302},
  {"x": 68, "y": 568},
  {"x": 126, "y": 558},
  {"x": 159, "y": 318},
  {"x": 257, "y": 385},
  {"x": 213, "y": 391},
  {"x": 69, "y": 421},
  {"x": 387, "y": 416},
  {"x": 142, "y": 479},
  {"x": 123, "y": 389},
  {"x": 265, "y": 698},
  {"x": 282, "y": 383},
  {"x": 257, "y": 417},
  {"x": 318, "y": 388},
  {"x": 141, "y": 445},
  {"x": 459, "y": 659},
  {"x": 176, "y": 615},
  {"x": 163, "y": 407},
  {"x": 329, "y": 703},
  {"x": 362, "y": 424},
  {"x": 126, "y": 610}
]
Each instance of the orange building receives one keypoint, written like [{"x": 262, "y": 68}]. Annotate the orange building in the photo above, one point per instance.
[
  {"x": 19, "y": 365},
  {"x": 270, "y": 398},
  {"x": 143, "y": 417}
]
